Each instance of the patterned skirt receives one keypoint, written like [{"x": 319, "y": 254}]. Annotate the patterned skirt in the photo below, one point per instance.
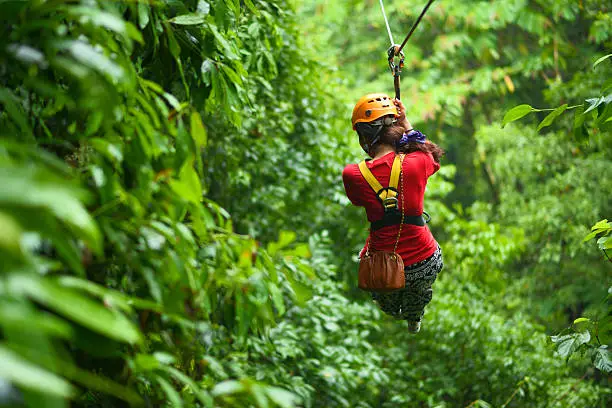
[{"x": 409, "y": 303}]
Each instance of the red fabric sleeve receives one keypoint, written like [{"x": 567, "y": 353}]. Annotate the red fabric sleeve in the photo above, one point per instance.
[
  {"x": 430, "y": 164},
  {"x": 352, "y": 191}
]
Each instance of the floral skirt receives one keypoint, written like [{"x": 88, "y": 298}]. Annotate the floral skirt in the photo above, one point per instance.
[{"x": 409, "y": 303}]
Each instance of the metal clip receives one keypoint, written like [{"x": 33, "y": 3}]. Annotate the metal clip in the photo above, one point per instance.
[
  {"x": 390, "y": 203},
  {"x": 391, "y": 54}
]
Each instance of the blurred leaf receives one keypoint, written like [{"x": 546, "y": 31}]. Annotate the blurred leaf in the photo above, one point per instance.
[
  {"x": 225, "y": 45},
  {"x": 568, "y": 344},
  {"x": 227, "y": 388},
  {"x": 10, "y": 236},
  {"x": 203, "y": 7},
  {"x": 23, "y": 317},
  {"x": 200, "y": 394},
  {"x": 173, "y": 45},
  {"x": 174, "y": 398},
  {"x": 285, "y": 238},
  {"x": 594, "y": 103},
  {"x": 24, "y": 188},
  {"x": 604, "y": 242},
  {"x": 107, "y": 20},
  {"x": 91, "y": 57},
  {"x": 111, "y": 297},
  {"x": 198, "y": 131},
  {"x": 251, "y": 6},
  {"x": 600, "y": 60},
  {"x": 27, "y": 375},
  {"x": 145, "y": 362},
  {"x": 76, "y": 307},
  {"x": 28, "y": 55},
  {"x": 281, "y": 397},
  {"x": 601, "y": 359},
  {"x": 15, "y": 111},
  {"x": 188, "y": 19},
  {"x": 188, "y": 185},
  {"x": 143, "y": 15}
]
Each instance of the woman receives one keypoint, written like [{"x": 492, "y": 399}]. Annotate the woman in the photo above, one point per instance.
[{"x": 384, "y": 131}]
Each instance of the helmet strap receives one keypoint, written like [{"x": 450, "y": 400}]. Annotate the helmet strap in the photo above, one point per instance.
[{"x": 369, "y": 132}]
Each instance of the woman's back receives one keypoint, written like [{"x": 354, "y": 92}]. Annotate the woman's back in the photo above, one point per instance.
[
  {"x": 384, "y": 131},
  {"x": 416, "y": 242}
]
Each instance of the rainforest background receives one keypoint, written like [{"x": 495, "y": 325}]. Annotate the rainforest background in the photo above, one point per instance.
[{"x": 174, "y": 231}]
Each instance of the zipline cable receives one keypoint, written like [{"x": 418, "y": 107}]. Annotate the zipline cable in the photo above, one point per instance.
[
  {"x": 382, "y": 7},
  {"x": 396, "y": 51},
  {"x": 414, "y": 26}
]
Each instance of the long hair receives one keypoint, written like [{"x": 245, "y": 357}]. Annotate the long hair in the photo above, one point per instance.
[{"x": 391, "y": 134}]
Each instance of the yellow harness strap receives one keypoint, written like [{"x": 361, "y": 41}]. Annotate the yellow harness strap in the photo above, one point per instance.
[
  {"x": 388, "y": 196},
  {"x": 395, "y": 172}
]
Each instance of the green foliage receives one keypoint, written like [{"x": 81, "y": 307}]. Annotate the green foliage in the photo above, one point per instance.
[
  {"x": 173, "y": 230},
  {"x": 173, "y": 269},
  {"x": 597, "y": 109},
  {"x": 590, "y": 337},
  {"x": 602, "y": 230}
]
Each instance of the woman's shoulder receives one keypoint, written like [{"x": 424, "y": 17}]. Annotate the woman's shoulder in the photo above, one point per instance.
[
  {"x": 351, "y": 171},
  {"x": 417, "y": 157},
  {"x": 421, "y": 160}
]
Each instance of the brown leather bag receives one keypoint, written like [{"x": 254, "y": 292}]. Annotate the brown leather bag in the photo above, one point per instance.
[{"x": 383, "y": 271}]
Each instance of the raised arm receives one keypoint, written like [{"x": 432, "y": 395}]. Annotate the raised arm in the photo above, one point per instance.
[{"x": 401, "y": 114}]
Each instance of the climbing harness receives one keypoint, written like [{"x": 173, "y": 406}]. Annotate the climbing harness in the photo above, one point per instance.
[
  {"x": 396, "y": 50},
  {"x": 388, "y": 197}
]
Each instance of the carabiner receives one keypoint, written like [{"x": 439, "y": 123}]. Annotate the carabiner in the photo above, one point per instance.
[{"x": 396, "y": 69}]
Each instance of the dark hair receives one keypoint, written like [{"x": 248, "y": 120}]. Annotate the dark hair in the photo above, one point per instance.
[{"x": 391, "y": 134}]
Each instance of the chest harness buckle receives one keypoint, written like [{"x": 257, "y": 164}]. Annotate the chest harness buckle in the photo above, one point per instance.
[{"x": 388, "y": 198}]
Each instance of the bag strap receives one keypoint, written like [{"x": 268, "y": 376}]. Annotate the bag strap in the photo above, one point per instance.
[
  {"x": 388, "y": 196},
  {"x": 401, "y": 210}
]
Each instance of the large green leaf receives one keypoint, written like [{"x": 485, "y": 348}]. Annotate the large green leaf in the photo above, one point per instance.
[
  {"x": 227, "y": 388},
  {"x": 281, "y": 397},
  {"x": 198, "y": 131},
  {"x": 93, "y": 58},
  {"x": 600, "y": 60},
  {"x": 188, "y": 19},
  {"x": 174, "y": 398},
  {"x": 31, "y": 377},
  {"x": 10, "y": 236},
  {"x": 601, "y": 359},
  {"x": 548, "y": 120},
  {"x": 22, "y": 316},
  {"x": 200, "y": 394},
  {"x": 110, "y": 297},
  {"x": 38, "y": 191},
  {"x": 568, "y": 344},
  {"x": 76, "y": 307},
  {"x": 104, "y": 19},
  {"x": 517, "y": 112},
  {"x": 188, "y": 186}
]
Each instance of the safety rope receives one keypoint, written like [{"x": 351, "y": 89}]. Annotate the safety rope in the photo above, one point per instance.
[
  {"x": 382, "y": 7},
  {"x": 414, "y": 26},
  {"x": 396, "y": 51}
]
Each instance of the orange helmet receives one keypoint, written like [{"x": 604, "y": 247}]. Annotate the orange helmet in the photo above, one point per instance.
[{"x": 371, "y": 107}]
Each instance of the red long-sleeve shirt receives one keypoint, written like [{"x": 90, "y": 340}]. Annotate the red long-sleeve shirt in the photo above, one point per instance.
[{"x": 416, "y": 243}]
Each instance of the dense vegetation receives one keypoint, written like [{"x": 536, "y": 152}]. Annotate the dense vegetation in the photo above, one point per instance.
[{"x": 174, "y": 232}]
